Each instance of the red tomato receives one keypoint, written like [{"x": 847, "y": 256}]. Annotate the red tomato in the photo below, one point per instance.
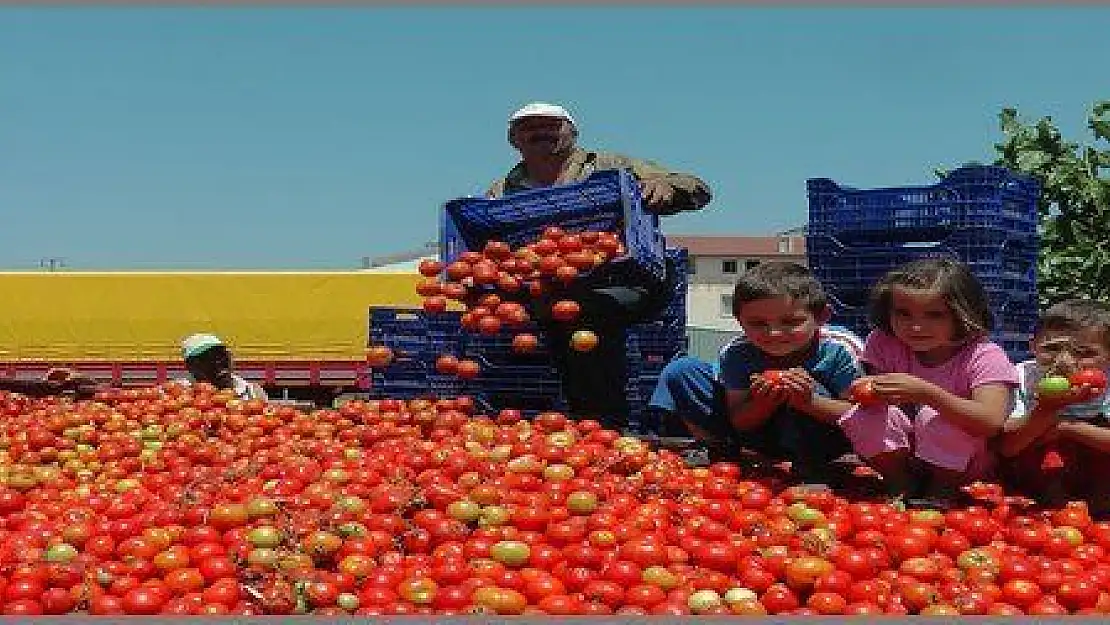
[
  {"x": 1092, "y": 378},
  {"x": 827, "y": 603},
  {"x": 144, "y": 600},
  {"x": 779, "y": 599},
  {"x": 862, "y": 392}
]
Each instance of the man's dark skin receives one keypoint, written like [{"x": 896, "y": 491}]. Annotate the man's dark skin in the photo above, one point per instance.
[
  {"x": 594, "y": 381},
  {"x": 56, "y": 382},
  {"x": 212, "y": 366}
]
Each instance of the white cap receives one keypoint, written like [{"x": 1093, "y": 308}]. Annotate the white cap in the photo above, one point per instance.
[
  {"x": 541, "y": 109},
  {"x": 198, "y": 344}
]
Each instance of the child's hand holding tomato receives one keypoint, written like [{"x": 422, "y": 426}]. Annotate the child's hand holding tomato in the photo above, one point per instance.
[
  {"x": 862, "y": 392},
  {"x": 793, "y": 386},
  {"x": 1058, "y": 391},
  {"x": 902, "y": 388}
]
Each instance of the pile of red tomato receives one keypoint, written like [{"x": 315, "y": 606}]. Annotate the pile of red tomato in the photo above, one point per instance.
[
  {"x": 186, "y": 501},
  {"x": 492, "y": 283}
]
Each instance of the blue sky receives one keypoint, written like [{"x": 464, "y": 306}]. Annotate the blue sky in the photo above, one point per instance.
[{"x": 307, "y": 138}]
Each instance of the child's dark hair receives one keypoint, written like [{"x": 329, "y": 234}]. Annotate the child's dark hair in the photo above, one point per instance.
[
  {"x": 779, "y": 279},
  {"x": 1074, "y": 315},
  {"x": 951, "y": 278}
]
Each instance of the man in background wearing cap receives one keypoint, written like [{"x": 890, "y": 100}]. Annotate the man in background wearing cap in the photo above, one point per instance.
[
  {"x": 208, "y": 360},
  {"x": 546, "y": 136}
]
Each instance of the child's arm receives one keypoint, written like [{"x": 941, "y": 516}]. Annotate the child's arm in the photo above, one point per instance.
[
  {"x": 751, "y": 400},
  {"x": 1023, "y": 433},
  {"x": 1094, "y": 436},
  {"x": 749, "y": 409},
  {"x": 841, "y": 370},
  {"x": 980, "y": 415},
  {"x": 824, "y": 409}
]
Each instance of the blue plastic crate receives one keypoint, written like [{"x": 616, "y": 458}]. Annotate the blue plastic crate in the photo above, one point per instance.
[
  {"x": 406, "y": 378},
  {"x": 643, "y": 420},
  {"x": 497, "y": 349},
  {"x": 674, "y": 312},
  {"x": 438, "y": 386},
  {"x": 607, "y": 200},
  {"x": 417, "y": 339},
  {"x": 532, "y": 380},
  {"x": 528, "y": 403},
  {"x": 529, "y": 388},
  {"x": 413, "y": 334},
  {"x": 1017, "y": 316},
  {"x": 1014, "y": 322},
  {"x": 849, "y": 296},
  {"x": 986, "y": 252},
  {"x": 680, "y": 258},
  {"x": 655, "y": 346},
  {"x": 969, "y": 197}
]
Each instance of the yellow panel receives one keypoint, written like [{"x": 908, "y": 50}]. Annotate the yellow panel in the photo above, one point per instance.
[{"x": 143, "y": 316}]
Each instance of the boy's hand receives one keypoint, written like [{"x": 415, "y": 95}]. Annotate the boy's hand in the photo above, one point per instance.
[
  {"x": 1056, "y": 391},
  {"x": 767, "y": 388},
  {"x": 1058, "y": 400},
  {"x": 799, "y": 385},
  {"x": 902, "y": 388}
]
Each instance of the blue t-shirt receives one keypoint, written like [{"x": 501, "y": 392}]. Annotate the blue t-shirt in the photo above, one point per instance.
[{"x": 832, "y": 366}]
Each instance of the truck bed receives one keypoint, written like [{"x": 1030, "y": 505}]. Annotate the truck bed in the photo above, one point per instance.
[{"x": 105, "y": 319}]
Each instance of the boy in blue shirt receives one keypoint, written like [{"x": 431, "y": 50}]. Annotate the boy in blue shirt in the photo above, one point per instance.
[
  {"x": 1057, "y": 448},
  {"x": 780, "y": 387}
]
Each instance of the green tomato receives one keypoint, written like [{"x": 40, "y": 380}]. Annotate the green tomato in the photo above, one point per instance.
[
  {"x": 1053, "y": 385},
  {"x": 60, "y": 553},
  {"x": 510, "y": 552}
]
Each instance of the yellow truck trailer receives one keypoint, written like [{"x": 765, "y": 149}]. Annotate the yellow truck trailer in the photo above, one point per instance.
[{"x": 301, "y": 334}]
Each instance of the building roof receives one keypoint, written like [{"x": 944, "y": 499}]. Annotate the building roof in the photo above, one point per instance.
[{"x": 721, "y": 245}]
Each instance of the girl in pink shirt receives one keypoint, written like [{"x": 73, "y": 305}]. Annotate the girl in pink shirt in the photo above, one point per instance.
[{"x": 939, "y": 389}]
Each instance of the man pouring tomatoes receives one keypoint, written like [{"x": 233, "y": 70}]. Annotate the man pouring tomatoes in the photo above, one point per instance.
[{"x": 546, "y": 137}]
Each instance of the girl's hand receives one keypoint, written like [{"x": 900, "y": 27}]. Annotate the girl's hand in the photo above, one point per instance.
[{"x": 902, "y": 388}]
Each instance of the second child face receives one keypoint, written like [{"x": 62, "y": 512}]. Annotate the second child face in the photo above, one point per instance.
[
  {"x": 778, "y": 326},
  {"x": 922, "y": 320},
  {"x": 1064, "y": 352}
]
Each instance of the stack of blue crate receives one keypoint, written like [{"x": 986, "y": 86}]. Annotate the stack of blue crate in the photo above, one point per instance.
[
  {"x": 606, "y": 201},
  {"x": 528, "y": 382},
  {"x": 416, "y": 339},
  {"x": 984, "y": 216},
  {"x": 653, "y": 344}
]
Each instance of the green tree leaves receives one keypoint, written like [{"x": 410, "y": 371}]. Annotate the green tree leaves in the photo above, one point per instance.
[{"x": 1075, "y": 201}]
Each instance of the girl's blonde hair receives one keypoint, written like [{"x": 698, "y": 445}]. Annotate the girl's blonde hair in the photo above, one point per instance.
[{"x": 950, "y": 278}]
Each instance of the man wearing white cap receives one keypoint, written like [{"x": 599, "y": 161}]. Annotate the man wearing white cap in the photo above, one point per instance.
[
  {"x": 546, "y": 137},
  {"x": 208, "y": 360}
]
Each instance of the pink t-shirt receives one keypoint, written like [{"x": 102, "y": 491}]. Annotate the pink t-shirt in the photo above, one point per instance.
[{"x": 978, "y": 363}]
